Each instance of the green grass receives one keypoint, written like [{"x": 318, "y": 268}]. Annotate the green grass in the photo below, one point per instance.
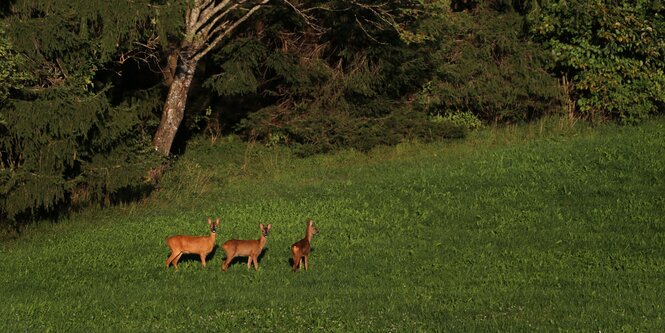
[{"x": 528, "y": 228}]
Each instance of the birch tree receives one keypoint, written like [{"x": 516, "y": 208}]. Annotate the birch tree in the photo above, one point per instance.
[{"x": 207, "y": 24}]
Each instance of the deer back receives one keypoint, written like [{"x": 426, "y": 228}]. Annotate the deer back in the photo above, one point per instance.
[{"x": 192, "y": 244}]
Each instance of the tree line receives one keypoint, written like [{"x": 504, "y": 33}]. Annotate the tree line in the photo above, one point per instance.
[{"x": 95, "y": 95}]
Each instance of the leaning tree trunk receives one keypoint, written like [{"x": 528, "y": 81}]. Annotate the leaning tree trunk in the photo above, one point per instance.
[
  {"x": 174, "y": 107},
  {"x": 207, "y": 22}
]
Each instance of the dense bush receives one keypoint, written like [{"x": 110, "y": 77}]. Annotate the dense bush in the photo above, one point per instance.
[
  {"x": 483, "y": 63},
  {"x": 327, "y": 93},
  {"x": 317, "y": 131},
  {"x": 611, "y": 50}
]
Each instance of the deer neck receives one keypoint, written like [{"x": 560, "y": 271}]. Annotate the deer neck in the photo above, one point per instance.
[
  {"x": 212, "y": 238},
  {"x": 308, "y": 234},
  {"x": 262, "y": 241}
]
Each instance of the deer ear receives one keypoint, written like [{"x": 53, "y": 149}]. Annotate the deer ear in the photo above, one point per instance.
[
  {"x": 261, "y": 225},
  {"x": 217, "y": 221},
  {"x": 209, "y": 220},
  {"x": 269, "y": 226}
]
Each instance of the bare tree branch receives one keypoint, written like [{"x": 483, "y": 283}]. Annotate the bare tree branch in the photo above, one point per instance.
[
  {"x": 209, "y": 27},
  {"x": 217, "y": 38},
  {"x": 308, "y": 19},
  {"x": 213, "y": 12}
]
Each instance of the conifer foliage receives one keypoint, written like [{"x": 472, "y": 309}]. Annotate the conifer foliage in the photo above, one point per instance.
[
  {"x": 380, "y": 75},
  {"x": 483, "y": 63},
  {"x": 95, "y": 94},
  {"x": 65, "y": 140}
]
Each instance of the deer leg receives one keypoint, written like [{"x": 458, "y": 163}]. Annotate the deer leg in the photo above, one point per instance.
[
  {"x": 203, "y": 259},
  {"x": 175, "y": 260},
  {"x": 295, "y": 252},
  {"x": 171, "y": 257},
  {"x": 226, "y": 263},
  {"x": 296, "y": 261},
  {"x": 256, "y": 263},
  {"x": 306, "y": 256}
]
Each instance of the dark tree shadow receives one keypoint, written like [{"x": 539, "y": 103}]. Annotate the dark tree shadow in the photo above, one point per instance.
[{"x": 5, "y": 7}]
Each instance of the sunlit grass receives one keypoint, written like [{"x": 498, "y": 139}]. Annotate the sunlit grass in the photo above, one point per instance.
[{"x": 527, "y": 228}]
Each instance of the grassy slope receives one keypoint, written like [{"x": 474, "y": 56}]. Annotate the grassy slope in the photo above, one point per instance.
[{"x": 501, "y": 232}]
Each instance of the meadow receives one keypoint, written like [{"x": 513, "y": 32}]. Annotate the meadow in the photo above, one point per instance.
[{"x": 541, "y": 227}]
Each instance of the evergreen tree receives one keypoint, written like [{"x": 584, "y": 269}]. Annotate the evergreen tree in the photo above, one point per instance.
[
  {"x": 361, "y": 82},
  {"x": 65, "y": 139},
  {"x": 482, "y": 62}
]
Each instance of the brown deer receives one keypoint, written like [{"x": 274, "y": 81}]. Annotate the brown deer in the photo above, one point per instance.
[
  {"x": 302, "y": 248},
  {"x": 201, "y": 245},
  {"x": 246, "y": 248}
]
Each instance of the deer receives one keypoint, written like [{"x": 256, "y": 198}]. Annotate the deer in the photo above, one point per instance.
[
  {"x": 201, "y": 245},
  {"x": 302, "y": 248},
  {"x": 246, "y": 248}
]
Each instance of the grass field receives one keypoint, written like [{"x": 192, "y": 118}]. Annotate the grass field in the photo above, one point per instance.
[{"x": 534, "y": 228}]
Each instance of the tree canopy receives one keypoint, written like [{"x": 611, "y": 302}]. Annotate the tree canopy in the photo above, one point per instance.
[{"x": 87, "y": 88}]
